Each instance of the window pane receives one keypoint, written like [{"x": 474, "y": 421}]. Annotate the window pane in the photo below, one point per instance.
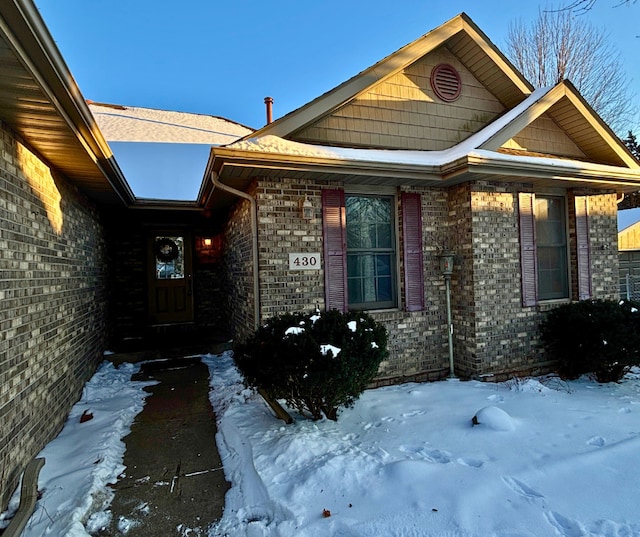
[
  {"x": 551, "y": 242},
  {"x": 370, "y": 251},
  {"x": 169, "y": 258}
]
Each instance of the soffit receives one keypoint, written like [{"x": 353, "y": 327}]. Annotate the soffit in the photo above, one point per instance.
[{"x": 40, "y": 101}]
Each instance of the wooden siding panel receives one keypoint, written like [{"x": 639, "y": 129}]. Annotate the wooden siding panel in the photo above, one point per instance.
[
  {"x": 544, "y": 136},
  {"x": 374, "y": 119}
]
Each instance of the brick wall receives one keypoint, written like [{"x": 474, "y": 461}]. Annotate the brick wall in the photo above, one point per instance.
[
  {"x": 603, "y": 233},
  {"x": 237, "y": 267},
  {"x": 505, "y": 332},
  {"x": 493, "y": 333},
  {"x": 53, "y": 303},
  {"x": 417, "y": 342}
]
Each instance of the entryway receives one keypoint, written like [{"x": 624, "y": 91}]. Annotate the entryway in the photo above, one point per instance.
[{"x": 170, "y": 278}]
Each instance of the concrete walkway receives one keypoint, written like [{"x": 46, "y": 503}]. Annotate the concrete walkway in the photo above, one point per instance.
[{"x": 173, "y": 483}]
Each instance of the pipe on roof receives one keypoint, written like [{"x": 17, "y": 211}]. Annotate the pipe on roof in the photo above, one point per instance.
[{"x": 268, "y": 101}]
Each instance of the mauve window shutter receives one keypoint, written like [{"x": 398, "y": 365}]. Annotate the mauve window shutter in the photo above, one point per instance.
[
  {"x": 582, "y": 240},
  {"x": 335, "y": 266},
  {"x": 528, "y": 256},
  {"x": 412, "y": 240}
]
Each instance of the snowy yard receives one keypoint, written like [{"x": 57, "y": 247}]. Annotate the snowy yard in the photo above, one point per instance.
[{"x": 548, "y": 458}]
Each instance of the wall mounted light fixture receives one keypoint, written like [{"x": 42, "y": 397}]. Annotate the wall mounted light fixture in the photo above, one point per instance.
[{"x": 306, "y": 209}]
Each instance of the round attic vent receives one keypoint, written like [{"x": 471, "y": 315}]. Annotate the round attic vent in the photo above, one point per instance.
[{"x": 445, "y": 81}]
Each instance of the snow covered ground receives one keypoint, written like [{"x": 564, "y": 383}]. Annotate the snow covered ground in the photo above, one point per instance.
[{"x": 547, "y": 458}]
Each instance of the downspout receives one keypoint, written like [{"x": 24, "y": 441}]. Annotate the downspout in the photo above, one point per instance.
[{"x": 254, "y": 231}]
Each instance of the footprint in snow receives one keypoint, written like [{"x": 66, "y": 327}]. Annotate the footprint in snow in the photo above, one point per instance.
[
  {"x": 473, "y": 463},
  {"x": 496, "y": 398},
  {"x": 521, "y": 488},
  {"x": 565, "y": 526},
  {"x": 596, "y": 441},
  {"x": 437, "y": 455},
  {"x": 413, "y": 414}
]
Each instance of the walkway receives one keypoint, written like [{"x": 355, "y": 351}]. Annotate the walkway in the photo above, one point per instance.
[{"x": 173, "y": 483}]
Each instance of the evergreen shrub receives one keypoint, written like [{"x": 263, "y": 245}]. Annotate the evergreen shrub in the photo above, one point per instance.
[
  {"x": 316, "y": 362},
  {"x": 601, "y": 337}
]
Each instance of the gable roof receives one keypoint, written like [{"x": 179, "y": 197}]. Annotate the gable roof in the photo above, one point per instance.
[
  {"x": 477, "y": 157},
  {"x": 599, "y": 159},
  {"x": 460, "y": 35},
  {"x": 136, "y": 124},
  {"x": 40, "y": 100},
  {"x": 576, "y": 118}
]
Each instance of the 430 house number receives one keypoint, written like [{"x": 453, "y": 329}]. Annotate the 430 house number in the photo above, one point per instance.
[{"x": 304, "y": 261}]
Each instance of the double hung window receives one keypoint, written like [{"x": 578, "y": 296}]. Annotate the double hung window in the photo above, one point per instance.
[
  {"x": 544, "y": 248},
  {"x": 551, "y": 247},
  {"x": 360, "y": 250},
  {"x": 371, "y": 256}
]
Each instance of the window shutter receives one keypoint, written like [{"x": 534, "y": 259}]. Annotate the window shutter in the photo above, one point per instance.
[
  {"x": 528, "y": 257},
  {"x": 412, "y": 240},
  {"x": 583, "y": 252},
  {"x": 335, "y": 267}
]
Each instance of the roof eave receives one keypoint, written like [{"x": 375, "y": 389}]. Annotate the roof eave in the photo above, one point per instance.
[{"x": 24, "y": 29}]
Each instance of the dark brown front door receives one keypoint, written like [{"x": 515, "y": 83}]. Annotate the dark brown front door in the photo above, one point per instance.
[{"x": 170, "y": 278}]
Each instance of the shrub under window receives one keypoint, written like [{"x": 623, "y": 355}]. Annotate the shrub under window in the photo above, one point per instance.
[
  {"x": 594, "y": 336},
  {"x": 315, "y": 362}
]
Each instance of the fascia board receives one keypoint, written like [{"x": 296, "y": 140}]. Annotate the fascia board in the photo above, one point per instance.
[
  {"x": 524, "y": 119},
  {"x": 361, "y": 82},
  {"x": 273, "y": 161},
  {"x": 24, "y": 29},
  {"x": 599, "y": 125},
  {"x": 483, "y": 41},
  {"x": 552, "y": 169}
]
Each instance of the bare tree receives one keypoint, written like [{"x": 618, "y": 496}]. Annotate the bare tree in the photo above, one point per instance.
[
  {"x": 582, "y": 6},
  {"x": 559, "y": 45}
]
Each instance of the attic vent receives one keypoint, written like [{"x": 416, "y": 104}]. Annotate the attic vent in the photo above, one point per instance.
[{"x": 445, "y": 81}]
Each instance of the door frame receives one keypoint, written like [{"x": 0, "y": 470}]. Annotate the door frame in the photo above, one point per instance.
[{"x": 170, "y": 301}]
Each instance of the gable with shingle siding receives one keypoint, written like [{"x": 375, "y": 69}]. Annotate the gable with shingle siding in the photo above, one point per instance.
[
  {"x": 544, "y": 136},
  {"x": 403, "y": 111}
]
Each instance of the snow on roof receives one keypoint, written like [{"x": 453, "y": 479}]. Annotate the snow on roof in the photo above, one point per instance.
[
  {"x": 275, "y": 144},
  {"x": 470, "y": 147},
  {"x": 134, "y": 124}
]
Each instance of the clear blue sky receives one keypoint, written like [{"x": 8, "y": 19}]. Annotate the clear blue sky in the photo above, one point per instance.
[{"x": 223, "y": 58}]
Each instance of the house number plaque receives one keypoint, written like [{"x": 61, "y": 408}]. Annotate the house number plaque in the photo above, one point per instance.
[{"x": 304, "y": 261}]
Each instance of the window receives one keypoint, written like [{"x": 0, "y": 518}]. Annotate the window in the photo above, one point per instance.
[
  {"x": 551, "y": 248},
  {"x": 360, "y": 257},
  {"x": 544, "y": 257},
  {"x": 371, "y": 257}
]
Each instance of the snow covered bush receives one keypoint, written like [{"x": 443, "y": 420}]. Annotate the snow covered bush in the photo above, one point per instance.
[
  {"x": 594, "y": 336},
  {"x": 316, "y": 362}
]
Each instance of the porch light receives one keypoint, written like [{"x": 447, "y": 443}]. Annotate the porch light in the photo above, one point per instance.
[
  {"x": 446, "y": 267},
  {"x": 207, "y": 242},
  {"x": 306, "y": 209},
  {"x": 446, "y": 263}
]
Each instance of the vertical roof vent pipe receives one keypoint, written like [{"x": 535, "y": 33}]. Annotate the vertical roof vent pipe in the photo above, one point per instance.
[{"x": 268, "y": 101}]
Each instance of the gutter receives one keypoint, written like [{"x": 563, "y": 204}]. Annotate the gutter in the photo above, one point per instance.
[{"x": 215, "y": 179}]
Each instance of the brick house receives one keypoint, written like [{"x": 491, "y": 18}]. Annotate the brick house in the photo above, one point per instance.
[
  {"x": 347, "y": 202},
  {"x": 443, "y": 145}
]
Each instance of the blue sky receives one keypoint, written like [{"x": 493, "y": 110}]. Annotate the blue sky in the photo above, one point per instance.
[{"x": 223, "y": 58}]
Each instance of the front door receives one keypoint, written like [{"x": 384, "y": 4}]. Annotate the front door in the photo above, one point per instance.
[{"x": 170, "y": 278}]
